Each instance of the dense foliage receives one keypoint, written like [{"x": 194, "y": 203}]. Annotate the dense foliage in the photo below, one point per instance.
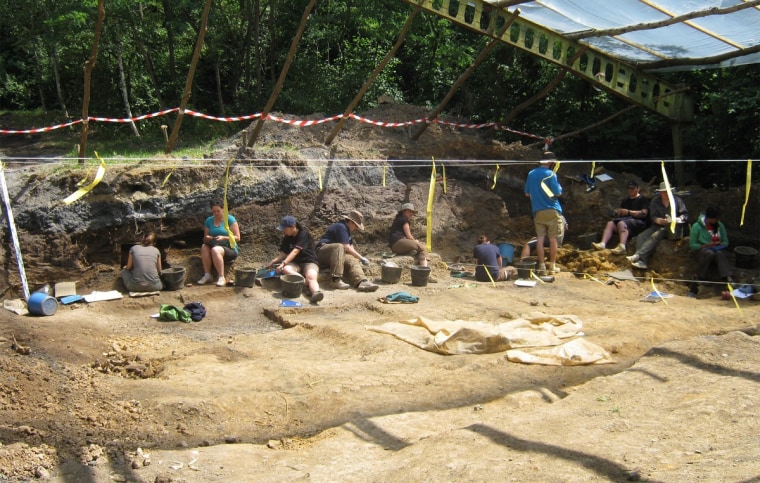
[{"x": 45, "y": 43}]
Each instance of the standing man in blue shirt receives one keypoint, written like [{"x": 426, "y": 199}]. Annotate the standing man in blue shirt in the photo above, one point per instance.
[{"x": 543, "y": 189}]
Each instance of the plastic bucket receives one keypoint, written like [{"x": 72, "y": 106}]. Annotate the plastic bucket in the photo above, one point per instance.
[
  {"x": 746, "y": 257},
  {"x": 524, "y": 268},
  {"x": 507, "y": 251},
  {"x": 420, "y": 275},
  {"x": 40, "y": 303},
  {"x": 391, "y": 273},
  {"x": 173, "y": 278},
  {"x": 245, "y": 277},
  {"x": 292, "y": 286}
]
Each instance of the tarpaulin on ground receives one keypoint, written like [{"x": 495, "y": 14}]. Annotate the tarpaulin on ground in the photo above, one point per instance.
[{"x": 466, "y": 337}]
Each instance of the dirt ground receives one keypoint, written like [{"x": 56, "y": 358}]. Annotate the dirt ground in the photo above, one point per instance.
[{"x": 257, "y": 392}]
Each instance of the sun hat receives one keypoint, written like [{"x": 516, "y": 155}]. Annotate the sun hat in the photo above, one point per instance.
[
  {"x": 287, "y": 221},
  {"x": 663, "y": 187},
  {"x": 356, "y": 217},
  {"x": 408, "y": 206}
]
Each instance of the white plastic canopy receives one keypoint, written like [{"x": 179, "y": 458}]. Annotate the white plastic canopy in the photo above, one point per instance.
[{"x": 655, "y": 34}]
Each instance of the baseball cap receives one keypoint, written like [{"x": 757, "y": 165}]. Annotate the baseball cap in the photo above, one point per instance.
[
  {"x": 286, "y": 222},
  {"x": 633, "y": 183}
]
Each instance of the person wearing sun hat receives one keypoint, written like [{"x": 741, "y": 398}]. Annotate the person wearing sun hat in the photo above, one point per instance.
[
  {"x": 401, "y": 240},
  {"x": 336, "y": 250},
  {"x": 297, "y": 255},
  {"x": 660, "y": 219},
  {"x": 629, "y": 220}
]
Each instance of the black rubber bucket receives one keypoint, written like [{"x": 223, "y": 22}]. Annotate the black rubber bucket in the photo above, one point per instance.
[
  {"x": 245, "y": 277},
  {"x": 173, "y": 278},
  {"x": 524, "y": 268},
  {"x": 292, "y": 286},
  {"x": 420, "y": 275},
  {"x": 391, "y": 273}
]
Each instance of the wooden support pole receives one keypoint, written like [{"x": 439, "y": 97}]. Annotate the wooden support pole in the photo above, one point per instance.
[
  {"x": 371, "y": 79},
  {"x": 281, "y": 80},
  {"x": 89, "y": 66},
  {"x": 465, "y": 75},
  {"x": 190, "y": 76}
]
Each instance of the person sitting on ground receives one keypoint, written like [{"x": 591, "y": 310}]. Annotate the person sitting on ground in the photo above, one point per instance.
[
  {"x": 336, "y": 250},
  {"x": 629, "y": 220},
  {"x": 401, "y": 240},
  {"x": 530, "y": 245},
  {"x": 142, "y": 273},
  {"x": 660, "y": 218},
  {"x": 298, "y": 256},
  {"x": 708, "y": 239},
  {"x": 488, "y": 257},
  {"x": 220, "y": 243},
  {"x": 543, "y": 189}
]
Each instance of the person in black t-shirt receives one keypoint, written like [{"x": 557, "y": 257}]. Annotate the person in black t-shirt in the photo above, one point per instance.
[{"x": 297, "y": 255}]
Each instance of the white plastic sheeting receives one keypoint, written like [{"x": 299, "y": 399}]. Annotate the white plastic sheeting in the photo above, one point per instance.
[{"x": 696, "y": 38}]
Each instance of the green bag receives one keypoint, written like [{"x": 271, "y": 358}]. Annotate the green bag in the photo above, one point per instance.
[{"x": 171, "y": 312}]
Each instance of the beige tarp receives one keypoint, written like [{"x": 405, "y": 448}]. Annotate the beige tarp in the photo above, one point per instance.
[{"x": 535, "y": 330}]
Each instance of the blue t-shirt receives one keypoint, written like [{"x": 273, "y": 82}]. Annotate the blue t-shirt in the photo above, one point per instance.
[
  {"x": 337, "y": 233},
  {"x": 486, "y": 254},
  {"x": 540, "y": 199},
  {"x": 214, "y": 230}
]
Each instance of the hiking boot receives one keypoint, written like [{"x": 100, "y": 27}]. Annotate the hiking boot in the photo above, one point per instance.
[
  {"x": 598, "y": 246},
  {"x": 205, "y": 279},
  {"x": 221, "y": 282},
  {"x": 541, "y": 270},
  {"x": 553, "y": 269},
  {"x": 618, "y": 250},
  {"x": 639, "y": 264},
  {"x": 633, "y": 258},
  {"x": 317, "y": 297},
  {"x": 366, "y": 286},
  {"x": 339, "y": 285}
]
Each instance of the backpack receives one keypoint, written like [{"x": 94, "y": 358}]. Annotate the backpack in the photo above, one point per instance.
[{"x": 197, "y": 311}]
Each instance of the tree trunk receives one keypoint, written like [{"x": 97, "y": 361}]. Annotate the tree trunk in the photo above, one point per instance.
[
  {"x": 88, "y": 68},
  {"x": 40, "y": 81},
  {"x": 219, "y": 97},
  {"x": 148, "y": 61},
  {"x": 170, "y": 47},
  {"x": 190, "y": 75},
  {"x": 123, "y": 84},
  {"x": 57, "y": 76}
]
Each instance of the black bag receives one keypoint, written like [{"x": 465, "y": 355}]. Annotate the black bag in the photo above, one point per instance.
[{"x": 197, "y": 311}]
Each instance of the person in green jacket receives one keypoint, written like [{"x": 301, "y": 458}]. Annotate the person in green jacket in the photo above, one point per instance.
[{"x": 708, "y": 239}]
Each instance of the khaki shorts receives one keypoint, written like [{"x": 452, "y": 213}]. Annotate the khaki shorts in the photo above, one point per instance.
[{"x": 548, "y": 223}]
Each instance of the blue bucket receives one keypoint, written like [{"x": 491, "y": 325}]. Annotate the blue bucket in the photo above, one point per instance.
[
  {"x": 507, "y": 251},
  {"x": 40, "y": 303}
]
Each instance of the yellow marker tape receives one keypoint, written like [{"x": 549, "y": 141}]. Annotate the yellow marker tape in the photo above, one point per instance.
[
  {"x": 658, "y": 292},
  {"x": 431, "y": 196},
  {"x": 488, "y": 272},
  {"x": 593, "y": 168},
  {"x": 672, "y": 200},
  {"x": 319, "y": 173},
  {"x": 495, "y": 175},
  {"x": 586, "y": 275},
  {"x": 168, "y": 175},
  {"x": 731, "y": 292},
  {"x": 83, "y": 191},
  {"x": 533, "y": 275},
  {"x": 86, "y": 177},
  {"x": 556, "y": 167},
  {"x": 443, "y": 170},
  {"x": 746, "y": 190},
  {"x": 230, "y": 235},
  {"x": 385, "y": 170}
]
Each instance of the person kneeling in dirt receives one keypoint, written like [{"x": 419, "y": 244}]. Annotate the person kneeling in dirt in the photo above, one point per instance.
[
  {"x": 629, "y": 220},
  {"x": 708, "y": 239},
  {"x": 298, "y": 255},
  {"x": 488, "y": 257},
  {"x": 659, "y": 215},
  {"x": 401, "y": 240},
  {"x": 142, "y": 273},
  {"x": 220, "y": 243},
  {"x": 530, "y": 245},
  {"x": 336, "y": 250}
]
